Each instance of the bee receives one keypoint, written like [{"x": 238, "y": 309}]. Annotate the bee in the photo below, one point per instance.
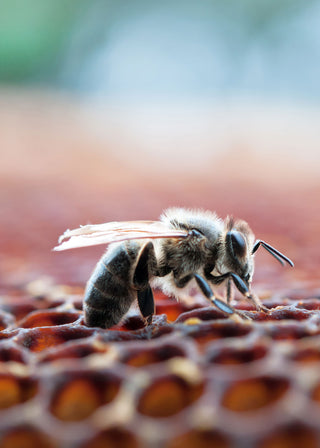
[{"x": 185, "y": 248}]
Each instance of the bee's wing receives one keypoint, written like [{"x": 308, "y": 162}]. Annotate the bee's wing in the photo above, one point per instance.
[{"x": 114, "y": 232}]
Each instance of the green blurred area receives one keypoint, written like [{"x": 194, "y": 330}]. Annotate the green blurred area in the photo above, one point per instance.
[
  {"x": 42, "y": 40},
  {"x": 33, "y": 34}
]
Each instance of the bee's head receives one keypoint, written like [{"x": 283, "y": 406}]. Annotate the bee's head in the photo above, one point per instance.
[{"x": 238, "y": 245}]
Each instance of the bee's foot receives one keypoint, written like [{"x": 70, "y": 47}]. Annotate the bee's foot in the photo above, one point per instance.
[
  {"x": 243, "y": 315},
  {"x": 263, "y": 308},
  {"x": 148, "y": 320},
  {"x": 239, "y": 316}
]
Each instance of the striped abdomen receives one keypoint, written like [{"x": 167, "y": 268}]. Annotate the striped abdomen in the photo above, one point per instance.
[{"x": 109, "y": 293}]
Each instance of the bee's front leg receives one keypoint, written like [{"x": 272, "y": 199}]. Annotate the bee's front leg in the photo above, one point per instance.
[
  {"x": 222, "y": 306},
  {"x": 243, "y": 288},
  {"x": 229, "y": 295},
  {"x": 181, "y": 282}
]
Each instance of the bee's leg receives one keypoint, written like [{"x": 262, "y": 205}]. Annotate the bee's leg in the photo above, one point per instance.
[
  {"x": 243, "y": 288},
  {"x": 229, "y": 291},
  {"x": 208, "y": 293},
  {"x": 182, "y": 281},
  {"x": 146, "y": 304},
  {"x": 144, "y": 267},
  {"x": 162, "y": 270},
  {"x": 146, "y": 264}
]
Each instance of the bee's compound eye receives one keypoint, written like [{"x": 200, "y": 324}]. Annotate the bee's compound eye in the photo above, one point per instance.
[{"x": 236, "y": 243}]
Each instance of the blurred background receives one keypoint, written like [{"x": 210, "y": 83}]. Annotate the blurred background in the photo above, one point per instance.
[{"x": 114, "y": 110}]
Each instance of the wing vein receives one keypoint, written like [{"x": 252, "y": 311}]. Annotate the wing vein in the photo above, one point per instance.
[{"x": 113, "y": 232}]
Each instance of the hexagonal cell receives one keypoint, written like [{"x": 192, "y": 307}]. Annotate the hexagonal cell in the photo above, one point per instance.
[
  {"x": 75, "y": 350},
  {"x": 78, "y": 395},
  {"x": 6, "y": 320},
  {"x": 131, "y": 323},
  {"x": 25, "y": 437},
  {"x": 200, "y": 439},
  {"x": 20, "y": 307},
  {"x": 48, "y": 319},
  {"x": 284, "y": 313},
  {"x": 139, "y": 356},
  {"x": 305, "y": 355},
  {"x": 172, "y": 308},
  {"x": 157, "y": 329},
  {"x": 15, "y": 390},
  {"x": 254, "y": 393},
  {"x": 312, "y": 304},
  {"x": 38, "y": 339},
  {"x": 11, "y": 353},
  {"x": 161, "y": 330},
  {"x": 3, "y": 323},
  {"x": 205, "y": 333},
  {"x": 204, "y": 314},
  {"x": 113, "y": 437},
  {"x": 9, "y": 335},
  {"x": 294, "y": 435},
  {"x": 236, "y": 355},
  {"x": 168, "y": 395},
  {"x": 292, "y": 331},
  {"x": 315, "y": 393}
]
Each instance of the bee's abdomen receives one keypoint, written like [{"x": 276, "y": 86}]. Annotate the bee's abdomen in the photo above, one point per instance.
[{"x": 109, "y": 294}]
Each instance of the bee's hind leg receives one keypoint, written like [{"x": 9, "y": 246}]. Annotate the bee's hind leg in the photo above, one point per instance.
[
  {"x": 222, "y": 306},
  {"x": 141, "y": 276},
  {"x": 146, "y": 304}
]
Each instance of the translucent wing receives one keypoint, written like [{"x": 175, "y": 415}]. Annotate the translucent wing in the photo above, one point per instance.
[{"x": 114, "y": 232}]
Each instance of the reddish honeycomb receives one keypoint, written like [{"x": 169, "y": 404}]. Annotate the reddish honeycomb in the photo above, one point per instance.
[{"x": 194, "y": 378}]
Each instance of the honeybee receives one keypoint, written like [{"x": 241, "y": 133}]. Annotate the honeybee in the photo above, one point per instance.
[{"x": 186, "y": 248}]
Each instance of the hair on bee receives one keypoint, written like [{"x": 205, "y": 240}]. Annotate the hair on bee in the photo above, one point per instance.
[{"x": 184, "y": 248}]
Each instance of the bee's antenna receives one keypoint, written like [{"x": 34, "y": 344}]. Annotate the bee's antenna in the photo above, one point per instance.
[{"x": 274, "y": 252}]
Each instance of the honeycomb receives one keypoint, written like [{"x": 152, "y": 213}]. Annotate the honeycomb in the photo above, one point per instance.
[{"x": 193, "y": 378}]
